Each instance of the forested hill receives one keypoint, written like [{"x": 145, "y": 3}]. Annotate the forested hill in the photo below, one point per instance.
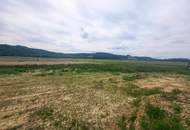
[{"x": 22, "y": 51}]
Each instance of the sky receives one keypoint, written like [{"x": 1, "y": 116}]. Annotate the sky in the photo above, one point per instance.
[{"x": 156, "y": 28}]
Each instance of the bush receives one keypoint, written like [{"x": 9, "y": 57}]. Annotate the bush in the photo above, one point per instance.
[
  {"x": 131, "y": 76},
  {"x": 171, "y": 95},
  {"x": 136, "y": 91},
  {"x": 176, "y": 108},
  {"x": 136, "y": 102},
  {"x": 122, "y": 124},
  {"x": 154, "y": 112},
  {"x": 45, "y": 113},
  {"x": 159, "y": 119}
]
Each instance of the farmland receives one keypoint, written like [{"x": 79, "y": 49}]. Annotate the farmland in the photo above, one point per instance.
[{"x": 94, "y": 94}]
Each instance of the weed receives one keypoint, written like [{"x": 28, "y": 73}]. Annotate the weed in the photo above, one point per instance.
[
  {"x": 122, "y": 123},
  {"x": 45, "y": 113},
  {"x": 158, "y": 119},
  {"x": 131, "y": 76},
  {"x": 154, "y": 112},
  {"x": 187, "y": 121},
  {"x": 133, "y": 116},
  {"x": 144, "y": 123},
  {"x": 176, "y": 91},
  {"x": 176, "y": 108},
  {"x": 136, "y": 102},
  {"x": 132, "y": 119},
  {"x": 168, "y": 124},
  {"x": 171, "y": 95},
  {"x": 15, "y": 127},
  {"x": 136, "y": 91},
  {"x": 79, "y": 125}
]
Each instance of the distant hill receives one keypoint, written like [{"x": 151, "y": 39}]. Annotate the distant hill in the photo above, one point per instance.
[
  {"x": 8, "y": 50},
  {"x": 22, "y": 51}
]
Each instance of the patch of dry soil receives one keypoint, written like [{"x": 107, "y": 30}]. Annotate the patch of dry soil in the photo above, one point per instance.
[{"x": 167, "y": 82}]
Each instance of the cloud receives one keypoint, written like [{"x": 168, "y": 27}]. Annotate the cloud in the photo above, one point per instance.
[{"x": 145, "y": 28}]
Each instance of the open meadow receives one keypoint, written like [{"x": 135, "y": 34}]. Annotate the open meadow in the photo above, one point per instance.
[{"x": 94, "y": 95}]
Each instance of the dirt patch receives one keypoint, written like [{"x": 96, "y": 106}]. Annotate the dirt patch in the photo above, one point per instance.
[
  {"x": 167, "y": 82},
  {"x": 38, "y": 61}
]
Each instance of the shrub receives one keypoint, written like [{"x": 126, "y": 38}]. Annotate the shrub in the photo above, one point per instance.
[
  {"x": 45, "y": 113},
  {"x": 131, "y": 76},
  {"x": 122, "y": 124},
  {"x": 154, "y": 112},
  {"x": 171, "y": 95},
  {"x": 136, "y": 91},
  {"x": 159, "y": 119},
  {"x": 176, "y": 108},
  {"x": 187, "y": 121},
  {"x": 136, "y": 102}
]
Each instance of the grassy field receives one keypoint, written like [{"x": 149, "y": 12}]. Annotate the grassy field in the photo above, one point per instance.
[{"x": 94, "y": 95}]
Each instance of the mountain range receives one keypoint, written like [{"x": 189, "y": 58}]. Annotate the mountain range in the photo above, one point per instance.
[{"x": 22, "y": 51}]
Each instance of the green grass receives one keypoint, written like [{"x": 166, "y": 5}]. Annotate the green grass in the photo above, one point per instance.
[
  {"x": 15, "y": 127},
  {"x": 159, "y": 119},
  {"x": 45, "y": 113},
  {"x": 187, "y": 121},
  {"x": 131, "y": 76},
  {"x": 154, "y": 112},
  {"x": 171, "y": 96},
  {"x": 176, "y": 108},
  {"x": 136, "y": 102},
  {"x": 122, "y": 123},
  {"x": 166, "y": 124},
  {"x": 136, "y": 91},
  {"x": 111, "y": 66},
  {"x": 132, "y": 119}
]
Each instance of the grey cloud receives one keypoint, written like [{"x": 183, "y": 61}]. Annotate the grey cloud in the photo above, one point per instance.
[{"x": 146, "y": 28}]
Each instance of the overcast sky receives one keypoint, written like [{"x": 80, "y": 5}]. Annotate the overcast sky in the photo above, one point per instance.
[{"x": 157, "y": 28}]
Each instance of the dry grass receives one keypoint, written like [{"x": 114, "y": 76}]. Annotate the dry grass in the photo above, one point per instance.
[
  {"x": 78, "y": 95},
  {"x": 166, "y": 81},
  {"x": 88, "y": 100},
  {"x": 39, "y": 61}
]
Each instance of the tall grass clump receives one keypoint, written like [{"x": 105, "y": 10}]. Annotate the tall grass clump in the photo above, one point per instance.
[{"x": 158, "y": 119}]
